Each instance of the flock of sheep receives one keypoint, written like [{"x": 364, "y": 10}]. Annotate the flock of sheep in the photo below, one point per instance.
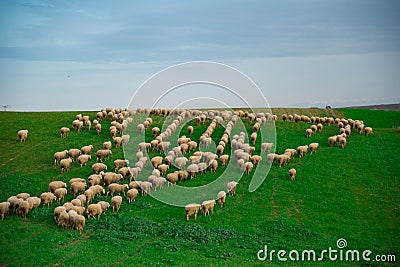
[{"x": 102, "y": 182}]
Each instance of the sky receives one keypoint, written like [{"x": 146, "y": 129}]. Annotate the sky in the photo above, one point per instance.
[{"x": 88, "y": 55}]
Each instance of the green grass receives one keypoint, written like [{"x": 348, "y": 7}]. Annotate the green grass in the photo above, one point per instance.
[{"x": 352, "y": 193}]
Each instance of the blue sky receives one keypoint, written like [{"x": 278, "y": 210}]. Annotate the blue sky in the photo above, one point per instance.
[{"x": 86, "y": 55}]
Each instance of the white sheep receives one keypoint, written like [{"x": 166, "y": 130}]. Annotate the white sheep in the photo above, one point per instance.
[
  {"x": 22, "y": 135},
  {"x": 86, "y": 150},
  {"x": 158, "y": 182},
  {"x": 224, "y": 159},
  {"x": 302, "y": 150},
  {"x": 103, "y": 154},
  {"x": 94, "y": 210},
  {"x": 74, "y": 153},
  {"x": 117, "y": 141},
  {"x": 99, "y": 167},
  {"x": 111, "y": 177},
  {"x": 77, "y": 187},
  {"x": 60, "y": 193},
  {"x": 24, "y": 196},
  {"x": 309, "y": 132},
  {"x": 156, "y": 161},
  {"x": 255, "y": 159},
  {"x": 231, "y": 188},
  {"x": 140, "y": 128},
  {"x": 292, "y": 174},
  {"x": 253, "y": 138},
  {"x": 266, "y": 147},
  {"x": 192, "y": 169},
  {"x": 47, "y": 198},
  {"x": 56, "y": 184},
  {"x": 119, "y": 163},
  {"x": 221, "y": 198},
  {"x": 368, "y": 131},
  {"x": 145, "y": 187},
  {"x": 116, "y": 203},
  {"x": 313, "y": 147},
  {"x": 207, "y": 206},
  {"x": 59, "y": 156},
  {"x": 191, "y": 209},
  {"x": 89, "y": 195},
  {"x": 117, "y": 188},
  {"x": 125, "y": 139},
  {"x": 98, "y": 128},
  {"x": 132, "y": 194},
  {"x": 4, "y": 209},
  {"x": 249, "y": 167},
  {"x": 83, "y": 159},
  {"x": 107, "y": 145},
  {"x": 64, "y": 132}
]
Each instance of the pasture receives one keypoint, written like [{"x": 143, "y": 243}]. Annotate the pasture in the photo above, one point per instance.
[{"x": 351, "y": 193}]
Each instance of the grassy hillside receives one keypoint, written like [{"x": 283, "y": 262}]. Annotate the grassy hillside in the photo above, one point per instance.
[{"x": 352, "y": 193}]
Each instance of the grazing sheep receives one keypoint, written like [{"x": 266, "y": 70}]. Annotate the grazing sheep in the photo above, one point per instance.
[
  {"x": 158, "y": 182},
  {"x": 332, "y": 140},
  {"x": 64, "y": 132},
  {"x": 56, "y": 184},
  {"x": 78, "y": 209},
  {"x": 255, "y": 159},
  {"x": 116, "y": 203},
  {"x": 59, "y": 156},
  {"x": 156, "y": 161},
  {"x": 117, "y": 141},
  {"x": 192, "y": 169},
  {"x": 155, "y": 131},
  {"x": 94, "y": 210},
  {"x": 132, "y": 194},
  {"x": 86, "y": 150},
  {"x": 320, "y": 127},
  {"x": 99, "y": 167},
  {"x": 292, "y": 174},
  {"x": 83, "y": 159},
  {"x": 60, "y": 193},
  {"x": 98, "y": 128},
  {"x": 313, "y": 128},
  {"x": 4, "y": 208},
  {"x": 302, "y": 150},
  {"x": 125, "y": 172},
  {"x": 117, "y": 188},
  {"x": 62, "y": 218},
  {"x": 173, "y": 178},
  {"x": 183, "y": 175},
  {"x": 134, "y": 172},
  {"x": 190, "y": 130},
  {"x": 78, "y": 222},
  {"x": 89, "y": 195},
  {"x": 266, "y": 147},
  {"x": 104, "y": 206},
  {"x": 74, "y": 153},
  {"x": 107, "y": 145},
  {"x": 119, "y": 163},
  {"x": 145, "y": 186},
  {"x": 231, "y": 188},
  {"x": 47, "y": 198},
  {"x": 192, "y": 145},
  {"x": 82, "y": 198},
  {"x": 223, "y": 159},
  {"x": 134, "y": 185},
  {"x": 221, "y": 197},
  {"x": 342, "y": 142},
  {"x": 65, "y": 164},
  {"x": 24, "y": 196},
  {"x": 309, "y": 132},
  {"x": 283, "y": 159},
  {"x": 57, "y": 212},
  {"x": 181, "y": 162},
  {"x": 77, "y": 125},
  {"x": 313, "y": 147},
  {"x": 249, "y": 167},
  {"x": 22, "y": 135},
  {"x": 125, "y": 139},
  {"x": 77, "y": 187},
  {"x": 111, "y": 177},
  {"x": 191, "y": 209},
  {"x": 207, "y": 206},
  {"x": 103, "y": 154},
  {"x": 76, "y": 202},
  {"x": 163, "y": 168},
  {"x": 253, "y": 138},
  {"x": 34, "y": 202},
  {"x": 140, "y": 128},
  {"x": 213, "y": 165},
  {"x": 368, "y": 131}
]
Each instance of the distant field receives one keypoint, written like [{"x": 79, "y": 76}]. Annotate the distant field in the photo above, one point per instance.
[{"x": 351, "y": 193}]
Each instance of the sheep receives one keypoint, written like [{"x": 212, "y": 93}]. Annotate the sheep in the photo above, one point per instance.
[
  {"x": 190, "y": 130},
  {"x": 302, "y": 150},
  {"x": 76, "y": 202},
  {"x": 320, "y": 127},
  {"x": 249, "y": 167},
  {"x": 290, "y": 152},
  {"x": 77, "y": 125},
  {"x": 83, "y": 159},
  {"x": 116, "y": 203},
  {"x": 368, "y": 131},
  {"x": 292, "y": 174},
  {"x": 78, "y": 209},
  {"x": 117, "y": 141},
  {"x": 313, "y": 128},
  {"x": 163, "y": 168},
  {"x": 125, "y": 139},
  {"x": 65, "y": 164},
  {"x": 57, "y": 212},
  {"x": 155, "y": 131},
  {"x": 313, "y": 147},
  {"x": 78, "y": 222},
  {"x": 22, "y": 135},
  {"x": 231, "y": 188},
  {"x": 34, "y": 202},
  {"x": 283, "y": 159},
  {"x": 104, "y": 206},
  {"x": 47, "y": 198},
  {"x": 64, "y": 132},
  {"x": 145, "y": 186},
  {"x": 255, "y": 159},
  {"x": 158, "y": 182},
  {"x": 111, "y": 177},
  {"x": 156, "y": 161},
  {"x": 99, "y": 167},
  {"x": 119, "y": 163},
  {"x": 191, "y": 209},
  {"x": 192, "y": 169},
  {"x": 77, "y": 187},
  {"x": 173, "y": 178},
  {"x": 342, "y": 142},
  {"x": 82, "y": 198},
  {"x": 60, "y": 193},
  {"x": 62, "y": 219},
  {"x": 59, "y": 156},
  {"x": 253, "y": 138},
  {"x": 266, "y": 147},
  {"x": 223, "y": 159},
  {"x": 309, "y": 132},
  {"x": 24, "y": 196},
  {"x": 140, "y": 128},
  {"x": 207, "y": 206},
  {"x": 132, "y": 194},
  {"x": 98, "y": 128},
  {"x": 107, "y": 145},
  {"x": 56, "y": 184},
  {"x": 183, "y": 175},
  {"x": 134, "y": 172},
  {"x": 181, "y": 162},
  {"x": 117, "y": 188},
  {"x": 94, "y": 210},
  {"x": 125, "y": 172},
  {"x": 134, "y": 185},
  {"x": 74, "y": 153},
  {"x": 332, "y": 140},
  {"x": 86, "y": 150},
  {"x": 89, "y": 194},
  {"x": 103, "y": 154},
  {"x": 213, "y": 165},
  {"x": 4, "y": 209},
  {"x": 221, "y": 197},
  {"x": 192, "y": 145},
  {"x": 220, "y": 149}
]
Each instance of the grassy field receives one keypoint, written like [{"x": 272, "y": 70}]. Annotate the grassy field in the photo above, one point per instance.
[{"x": 352, "y": 193}]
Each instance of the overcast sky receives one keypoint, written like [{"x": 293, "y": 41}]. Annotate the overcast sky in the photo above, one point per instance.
[{"x": 87, "y": 55}]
